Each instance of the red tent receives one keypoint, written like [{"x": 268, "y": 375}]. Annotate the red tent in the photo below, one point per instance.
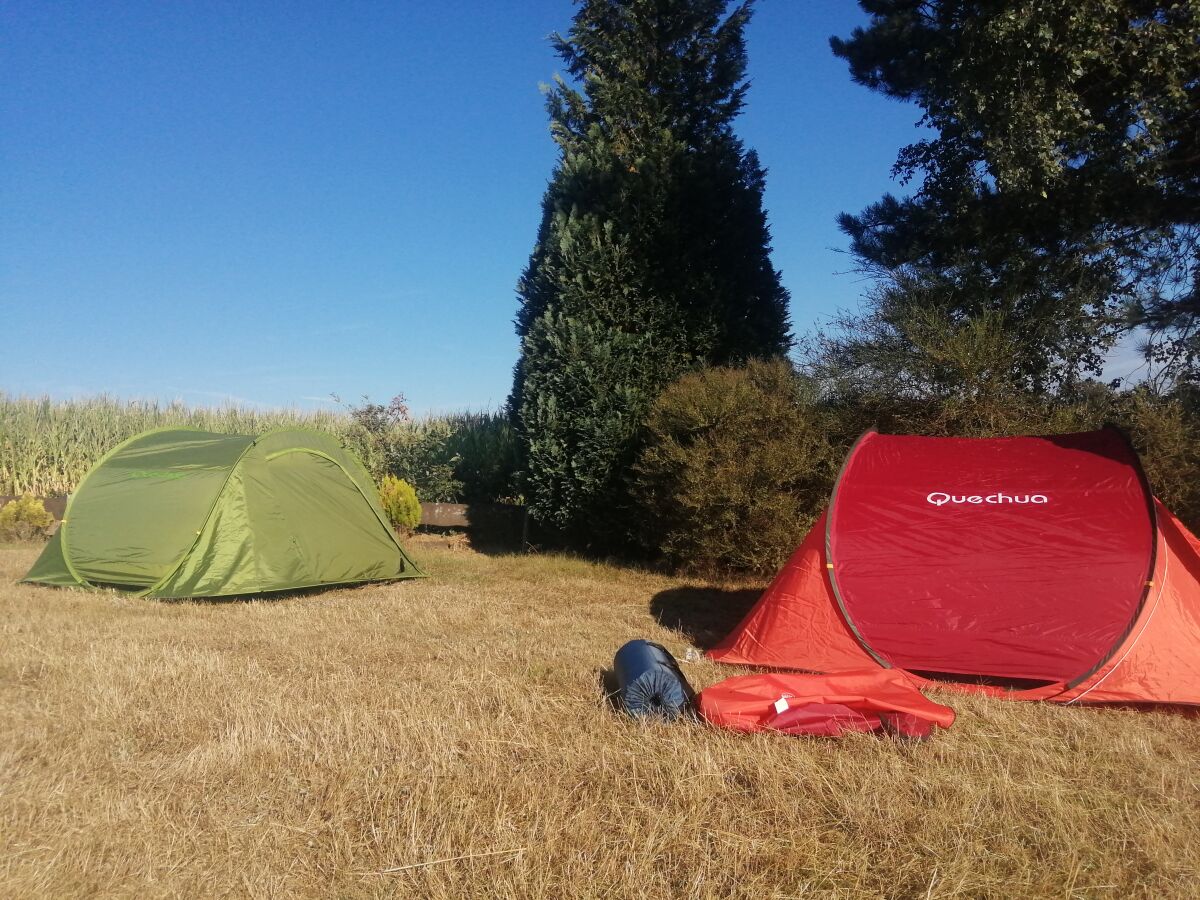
[{"x": 1029, "y": 567}]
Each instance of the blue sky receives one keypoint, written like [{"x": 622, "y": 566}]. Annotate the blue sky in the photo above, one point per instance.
[{"x": 269, "y": 203}]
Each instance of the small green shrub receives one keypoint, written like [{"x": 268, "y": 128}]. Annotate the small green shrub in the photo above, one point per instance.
[
  {"x": 420, "y": 452},
  {"x": 488, "y": 456},
  {"x": 24, "y": 519},
  {"x": 369, "y": 428},
  {"x": 400, "y": 503},
  {"x": 736, "y": 466},
  {"x": 1166, "y": 433}
]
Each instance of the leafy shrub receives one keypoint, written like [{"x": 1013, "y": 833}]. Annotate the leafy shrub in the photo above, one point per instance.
[
  {"x": 581, "y": 393},
  {"x": 400, "y": 503},
  {"x": 487, "y": 456},
  {"x": 1166, "y": 433},
  {"x": 462, "y": 457},
  {"x": 421, "y": 453},
  {"x": 735, "y": 468},
  {"x": 369, "y": 431},
  {"x": 24, "y": 519}
]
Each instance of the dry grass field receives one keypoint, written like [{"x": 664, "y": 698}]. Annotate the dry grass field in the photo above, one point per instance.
[{"x": 450, "y": 738}]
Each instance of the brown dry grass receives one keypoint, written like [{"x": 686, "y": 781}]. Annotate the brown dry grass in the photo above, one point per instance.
[{"x": 307, "y": 746}]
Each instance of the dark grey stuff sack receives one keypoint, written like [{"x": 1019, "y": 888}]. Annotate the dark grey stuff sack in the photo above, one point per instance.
[{"x": 650, "y": 681}]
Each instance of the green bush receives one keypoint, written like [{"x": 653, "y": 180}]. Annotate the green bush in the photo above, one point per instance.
[
  {"x": 420, "y": 453},
  {"x": 487, "y": 456},
  {"x": 1166, "y": 433},
  {"x": 461, "y": 457},
  {"x": 400, "y": 503},
  {"x": 369, "y": 428},
  {"x": 736, "y": 466},
  {"x": 24, "y": 519}
]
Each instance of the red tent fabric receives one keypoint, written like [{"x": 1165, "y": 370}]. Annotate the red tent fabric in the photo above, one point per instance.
[
  {"x": 866, "y": 700},
  {"x": 1039, "y": 562}
]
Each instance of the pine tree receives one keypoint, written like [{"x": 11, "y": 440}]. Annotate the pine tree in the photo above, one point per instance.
[
  {"x": 652, "y": 257},
  {"x": 1059, "y": 191}
]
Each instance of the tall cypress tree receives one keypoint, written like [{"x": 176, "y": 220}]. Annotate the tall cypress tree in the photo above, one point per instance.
[{"x": 652, "y": 257}]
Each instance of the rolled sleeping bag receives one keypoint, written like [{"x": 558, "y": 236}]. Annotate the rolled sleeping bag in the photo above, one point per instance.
[{"x": 650, "y": 681}]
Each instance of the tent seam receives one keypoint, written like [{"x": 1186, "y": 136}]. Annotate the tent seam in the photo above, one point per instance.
[
  {"x": 829, "y": 565},
  {"x": 358, "y": 464},
  {"x": 1157, "y": 600},
  {"x": 64, "y": 539},
  {"x": 386, "y": 527},
  {"x": 1152, "y": 515},
  {"x": 203, "y": 524}
]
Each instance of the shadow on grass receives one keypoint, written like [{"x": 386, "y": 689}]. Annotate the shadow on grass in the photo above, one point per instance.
[
  {"x": 607, "y": 678},
  {"x": 703, "y": 615},
  {"x": 284, "y": 594},
  {"x": 493, "y": 529}
]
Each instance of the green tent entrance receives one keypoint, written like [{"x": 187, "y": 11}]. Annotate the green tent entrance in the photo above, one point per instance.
[{"x": 186, "y": 513}]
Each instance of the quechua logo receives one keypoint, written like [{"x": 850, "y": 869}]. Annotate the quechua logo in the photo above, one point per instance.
[{"x": 940, "y": 498}]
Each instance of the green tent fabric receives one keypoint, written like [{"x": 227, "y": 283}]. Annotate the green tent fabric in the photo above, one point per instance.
[{"x": 186, "y": 513}]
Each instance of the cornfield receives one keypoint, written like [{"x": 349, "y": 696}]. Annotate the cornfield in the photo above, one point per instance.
[{"x": 47, "y": 446}]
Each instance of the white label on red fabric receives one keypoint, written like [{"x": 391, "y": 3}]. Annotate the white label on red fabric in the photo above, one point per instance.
[{"x": 781, "y": 704}]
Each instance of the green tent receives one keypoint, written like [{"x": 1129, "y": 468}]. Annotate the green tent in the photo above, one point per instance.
[{"x": 186, "y": 513}]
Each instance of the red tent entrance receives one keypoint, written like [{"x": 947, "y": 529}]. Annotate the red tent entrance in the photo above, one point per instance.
[{"x": 1021, "y": 559}]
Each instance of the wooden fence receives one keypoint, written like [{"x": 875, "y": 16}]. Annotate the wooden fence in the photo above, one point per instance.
[{"x": 491, "y": 523}]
